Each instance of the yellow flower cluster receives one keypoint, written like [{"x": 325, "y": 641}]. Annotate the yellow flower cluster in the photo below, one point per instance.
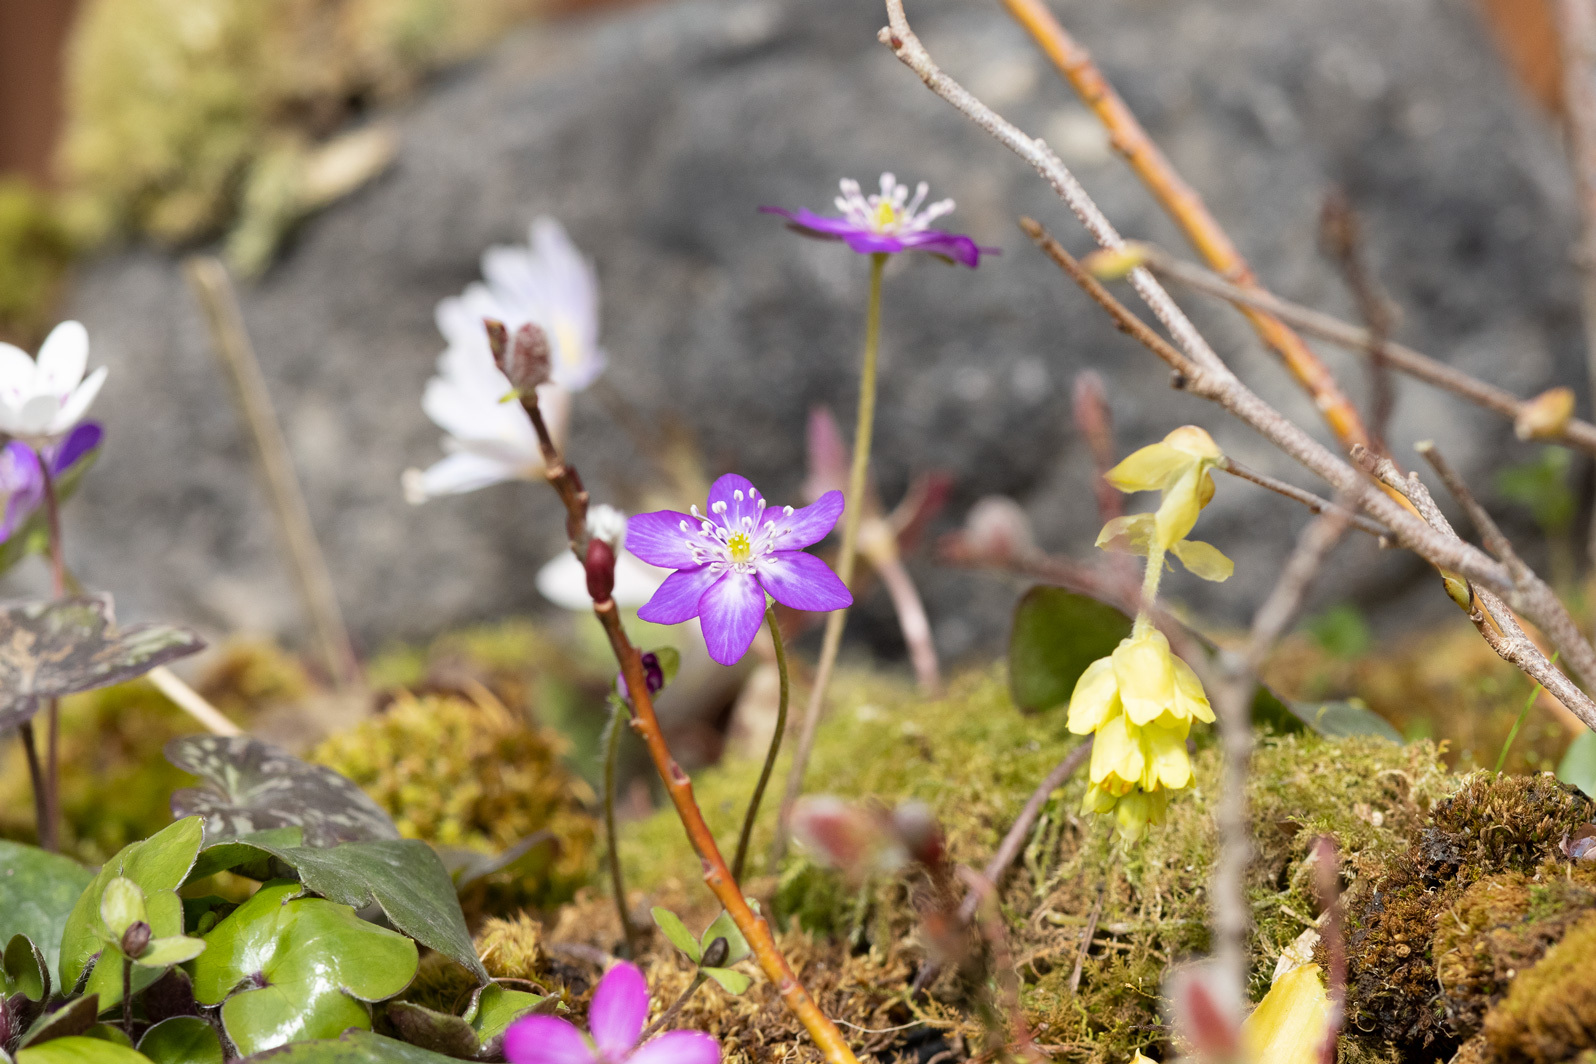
[{"x": 1140, "y": 701}]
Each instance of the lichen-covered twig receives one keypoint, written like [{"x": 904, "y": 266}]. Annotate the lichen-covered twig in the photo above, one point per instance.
[
  {"x": 1186, "y": 207},
  {"x": 568, "y": 485},
  {"x": 1575, "y": 433},
  {"x": 1314, "y": 503}
]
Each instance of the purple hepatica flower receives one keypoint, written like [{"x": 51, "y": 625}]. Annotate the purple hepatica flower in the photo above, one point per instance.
[
  {"x": 887, "y": 222},
  {"x": 725, "y": 563},
  {"x": 619, "y": 1009},
  {"x": 21, "y": 474}
]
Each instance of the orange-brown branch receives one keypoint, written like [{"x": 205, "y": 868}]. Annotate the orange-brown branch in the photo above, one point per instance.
[{"x": 1187, "y": 208}]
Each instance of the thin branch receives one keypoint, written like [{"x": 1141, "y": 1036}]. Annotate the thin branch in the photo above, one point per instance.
[
  {"x": 1086, "y": 942},
  {"x": 1341, "y": 233},
  {"x": 1575, "y": 433},
  {"x": 1314, "y": 503},
  {"x": 209, "y": 280},
  {"x": 1490, "y": 532},
  {"x": 1576, "y": 27},
  {"x": 1186, "y": 207},
  {"x": 1003, "y": 973}
]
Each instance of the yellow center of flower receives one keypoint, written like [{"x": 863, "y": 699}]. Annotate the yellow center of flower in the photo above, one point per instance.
[
  {"x": 886, "y": 215},
  {"x": 741, "y": 549}
]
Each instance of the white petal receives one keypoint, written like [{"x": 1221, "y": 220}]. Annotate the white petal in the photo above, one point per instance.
[
  {"x": 63, "y": 358},
  {"x": 78, "y": 404},
  {"x": 563, "y": 582},
  {"x": 36, "y": 415},
  {"x": 17, "y": 373},
  {"x": 635, "y": 580},
  {"x": 461, "y": 472}
]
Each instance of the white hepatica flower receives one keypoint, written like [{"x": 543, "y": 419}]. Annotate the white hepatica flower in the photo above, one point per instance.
[
  {"x": 47, "y": 397},
  {"x": 490, "y": 440}
]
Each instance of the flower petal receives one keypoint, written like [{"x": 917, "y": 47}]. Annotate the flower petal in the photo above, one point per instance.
[
  {"x": 812, "y": 224},
  {"x": 635, "y": 580},
  {"x": 17, "y": 372},
  {"x": 1145, "y": 671},
  {"x": 1129, "y": 534},
  {"x": 78, "y": 404},
  {"x": 659, "y": 538},
  {"x": 619, "y": 1010},
  {"x": 546, "y": 1040},
  {"x": 806, "y": 526},
  {"x": 680, "y": 597},
  {"x": 1191, "y": 701},
  {"x": 80, "y": 441},
  {"x": 741, "y": 501},
  {"x": 1152, "y": 468},
  {"x": 730, "y": 614},
  {"x": 803, "y": 582},
  {"x": 63, "y": 358},
  {"x": 1177, "y": 513},
  {"x": 1095, "y": 698},
  {"x": 1204, "y": 560},
  {"x": 679, "y": 1047},
  {"x": 1117, "y": 759},
  {"x": 954, "y": 246},
  {"x": 36, "y": 415},
  {"x": 460, "y": 472}
]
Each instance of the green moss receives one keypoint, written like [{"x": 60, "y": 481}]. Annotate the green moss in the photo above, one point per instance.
[
  {"x": 1549, "y": 1015},
  {"x": 975, "y": 759}
]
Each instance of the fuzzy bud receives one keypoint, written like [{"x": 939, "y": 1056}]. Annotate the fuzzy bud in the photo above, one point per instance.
[
  {"x": 1546, "y": 416},
  {"x": 600, "y": 566},
  {"x": 1113, "y": 264},
  {"x": 716, "y": 955},
  {"x": 917, "y": 829},
  {"x": 998, "y": 529},
  {"x": 135, "y": 939},
  {"x": 498, "y": 339},
  {"x": 607, "y": 523}
]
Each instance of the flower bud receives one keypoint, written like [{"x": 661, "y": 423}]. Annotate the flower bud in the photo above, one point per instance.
[
  {"x": 1545, "y": 416},
  {"x": 135, "y": 939},
  {"x": 607, "y": 523},
  {"x": 1113, "y": 264},
  {"x": 526, "y": 359},
  {"x": 998, "y": 529},
  {"x": 917, "y": 829},
  {"x": 716, "y": 954},
  {"x": 600, "y": 566}
]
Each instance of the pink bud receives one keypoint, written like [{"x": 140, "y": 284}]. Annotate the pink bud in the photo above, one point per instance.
[
  {"x": 917, "y": 829},
  {"x": 600, "y": 565},
  {"x": 1203, "y": 1011},
  {"x": 526, "y": 360},
  {"x": 840, "y": 835}
]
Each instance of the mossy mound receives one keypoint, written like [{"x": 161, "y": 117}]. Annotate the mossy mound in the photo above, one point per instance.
[
  {"x": 975, "y": 759},
  {"x": 470, "y": 774},
  {"x": 1550, "y": 1013},
  {"x": 35, "y": 249},
  {"x": 1442, "y": 930}
]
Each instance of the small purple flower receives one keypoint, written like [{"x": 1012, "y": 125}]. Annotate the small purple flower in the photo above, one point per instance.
[
  {"x": 727, "y": 561},
  {"x": 616, "y": 1017},
  {"x": 888, "y": 221},
  {"x": 22, "y": 475}
]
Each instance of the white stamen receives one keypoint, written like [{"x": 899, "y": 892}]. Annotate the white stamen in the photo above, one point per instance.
[{"x": 890, "y": 212}]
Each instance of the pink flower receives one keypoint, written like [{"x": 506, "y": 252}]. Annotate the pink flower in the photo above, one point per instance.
[
  {"x": 728, "y": 560},
  {"x": 887, "y": 222},
  {"x": 616, "y": 1018}
]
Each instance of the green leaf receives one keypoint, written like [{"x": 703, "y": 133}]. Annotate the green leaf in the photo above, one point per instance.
[
  {"x": 24, "y": 970},
  {"x": 723, "y": 926},
  {"x": 496, "y": 1007},
  {"x": 106, "y": 1032},
  {"x": 1342, "y": 720},
  {"x": 121, "y": 906},
  {"x": 62, "y": 646},
  {"x": 168, "y": 952},
  {"x": 732, "y": 982},
  {"x": 219, "y": 856},
  {"x": 355, "y": 1047},
  {"x": 37, "y": 891},
  {"x": 404, "y": 877},
  {"x": 250, "y": 786},
  {"x": 285, "y": 969},
  {"x": 68, "y": 1021},
  {"x": 440, "y": 1032},
  {"x": 80, "y": 1050},
  {"x": 1056, "y": 635},
  {"x": 182, "y": 1040},
  {"x": 158, "y": 866},
  {"x": 1579, "y": 763},
  {"x": 1542, "y": 485},
  {"x": 670, "y": 662},
  {"x": 677, "y": 932},
  {"x": 1342, "y": 631}
]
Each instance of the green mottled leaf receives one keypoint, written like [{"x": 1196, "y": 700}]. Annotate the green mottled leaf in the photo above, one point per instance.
[
  {"x": 182, "y": 1040},
  {"x": 285, "y": 969},
  {"x": 723, "y": 926},
  {"x": 37, "y": 891},
  {"x": 355, "y": 1047},
  {"x": 732, "y": 982},
  {"x": 677, "y": 932},
  {"x": 80, "y": 1050},
  {"x": 1056, "y": 635},
  {"x": 158, "y": 866},
  {"x": 404, "y": 877},
  {"x": 58, "y": 647},
  {"x": 250, "y": 786},
  {"x": 1579, "y": 763}
]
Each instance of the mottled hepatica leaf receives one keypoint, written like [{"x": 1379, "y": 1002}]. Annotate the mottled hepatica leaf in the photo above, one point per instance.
[
  {"x": 252, "y": 786},
  {"x": 53, "y": 648}
]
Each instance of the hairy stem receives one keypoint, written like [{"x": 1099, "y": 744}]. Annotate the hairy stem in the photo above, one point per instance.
[
  {"x": 676, "y": 1006},
  {"x": 770, "y": 755},
  {"x": 612, "y": 746},
  {"x": 832, "y": 642}
]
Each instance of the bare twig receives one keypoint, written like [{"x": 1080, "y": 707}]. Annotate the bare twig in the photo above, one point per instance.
[
  {"x": 1327, "y": 881},
  {"x": 1314, "y": 503},
  {"x": 209, "y": 280},
  {"x": 1576, "y": 26},
  {"x": 1185, "y": 206},
  {"x": 1086, "y": 942},
  {"x": 912, "y": 619},
  {"x": 1490, "y": 532},
  {"x": 1008, "y": 981},
  {"x": 1342, "y": 236},
  {"x": 1575, "y": 433}
]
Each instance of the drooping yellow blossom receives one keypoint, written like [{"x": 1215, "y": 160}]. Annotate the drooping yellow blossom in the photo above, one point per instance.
[
  {"x": 1289, "y": 1024},
  {"x": 1141, "y": 700},
  {"x": 1179, "y": 467}
]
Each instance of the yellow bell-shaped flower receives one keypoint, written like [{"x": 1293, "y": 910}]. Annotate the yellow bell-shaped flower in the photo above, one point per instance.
[
  {"x": 1179, "y": 467},
  {"x": 1290, "y": 1024}
]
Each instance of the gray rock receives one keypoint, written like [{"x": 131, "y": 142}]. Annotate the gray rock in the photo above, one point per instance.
[{"x": 655, "y": 133}]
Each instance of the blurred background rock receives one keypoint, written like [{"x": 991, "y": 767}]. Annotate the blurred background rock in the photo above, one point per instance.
[{"x": 653, "y": 133}]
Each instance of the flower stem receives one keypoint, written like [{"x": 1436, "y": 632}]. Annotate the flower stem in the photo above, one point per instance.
[
  {"x": 676, "y": 1006},
  {"x": 127, "y": 997},
  {"x": 1150, "y": 581},
  {"x": 58, "y": 579},
  {"x": 41, "y": 798},
  {"x": 612, "y": 746},
  {"x": 770, "y": 755},
  {"x": 1501, "y": 759},
  {"x": 832, "y": 643}
]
